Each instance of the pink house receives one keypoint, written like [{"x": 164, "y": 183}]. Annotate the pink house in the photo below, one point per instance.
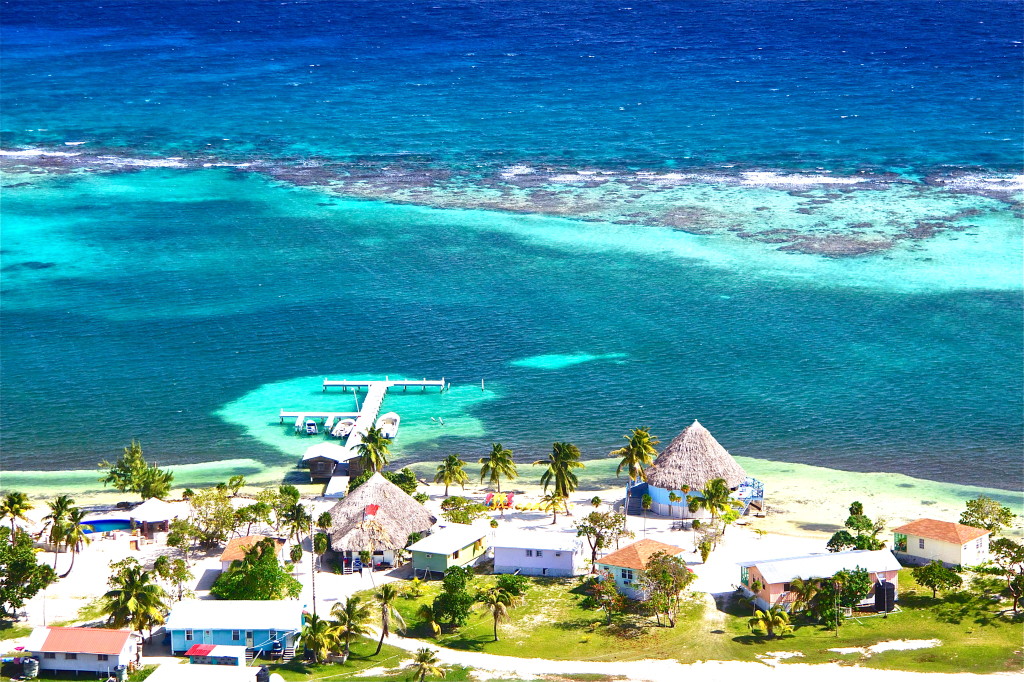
[{"x": 776, "y": 575}]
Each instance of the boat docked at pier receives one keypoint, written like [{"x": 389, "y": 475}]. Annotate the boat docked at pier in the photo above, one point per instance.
[{"x": 388, "y": 424}]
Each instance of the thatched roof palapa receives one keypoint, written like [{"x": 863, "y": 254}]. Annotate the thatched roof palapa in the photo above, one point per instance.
[
  {"x": 398, "y": 516},
  {"x": 692, "y": 459}
]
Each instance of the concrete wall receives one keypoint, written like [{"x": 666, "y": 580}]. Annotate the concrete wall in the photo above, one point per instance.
[
  {"x": 509, "y": 559},
  {"x": 948, "y": 553}
]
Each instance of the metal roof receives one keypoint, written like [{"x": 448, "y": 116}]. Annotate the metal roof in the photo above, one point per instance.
[
  {"x": 450, "y": 538},
  {"x": 213, "y": 614},
  {"x": 78, "y": 640},
  {"x": 824, "y": 565},
  {"x": 519, "y": 539}
]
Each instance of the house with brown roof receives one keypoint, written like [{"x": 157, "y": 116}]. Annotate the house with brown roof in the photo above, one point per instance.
[
  {"x": 96, "y": 651},
  {"x": 237, "y": 547},
  {"x": 954, "y": 544},
  {"x": 626, "y": 566}
]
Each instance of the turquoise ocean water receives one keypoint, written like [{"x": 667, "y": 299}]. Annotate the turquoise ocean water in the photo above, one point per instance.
[{"x": 806, "y": 234}]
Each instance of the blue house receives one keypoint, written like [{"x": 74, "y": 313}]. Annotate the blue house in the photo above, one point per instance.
[{"x": 264, "y": 628}]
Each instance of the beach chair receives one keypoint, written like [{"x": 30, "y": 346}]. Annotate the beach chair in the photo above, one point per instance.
[{"x": 487, "y": 501}]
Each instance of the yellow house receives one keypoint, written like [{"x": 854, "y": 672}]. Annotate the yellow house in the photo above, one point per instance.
[{"x": 954, "y": 544}]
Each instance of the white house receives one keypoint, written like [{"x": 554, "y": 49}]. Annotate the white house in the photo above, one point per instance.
[
  {"x": 538, "y": 553},
  {"x": 97, "y": 651},
  {"x": 954, "y": 544}
]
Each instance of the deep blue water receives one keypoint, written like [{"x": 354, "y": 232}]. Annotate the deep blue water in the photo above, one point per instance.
[{"x": 138, "y": 304}]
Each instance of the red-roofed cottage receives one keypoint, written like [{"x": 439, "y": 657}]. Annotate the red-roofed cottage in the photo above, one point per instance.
[
  {"x": 954, "y": 544},
  {"x": 627, "y": 565},
  {"x": 84, "y": 650}
]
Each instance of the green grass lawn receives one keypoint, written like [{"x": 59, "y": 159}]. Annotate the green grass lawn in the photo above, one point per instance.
[
  {"x": 552, "y": 624},
  {"x": 9, "y": 630},
  {"x": 362, "y": 658}
]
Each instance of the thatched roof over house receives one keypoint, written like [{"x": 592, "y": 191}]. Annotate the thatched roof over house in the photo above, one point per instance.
[
  {"x": 694, "y": 458},
  {"x": 397, "y": 516}
]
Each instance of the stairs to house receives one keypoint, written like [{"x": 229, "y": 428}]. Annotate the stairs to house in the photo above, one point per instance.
[
  {"x": 288, "y": 654},
  {"x": 635, "y": 507}
]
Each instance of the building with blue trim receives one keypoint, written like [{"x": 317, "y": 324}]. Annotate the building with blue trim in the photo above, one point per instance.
[{"x": 264, "y": 628}]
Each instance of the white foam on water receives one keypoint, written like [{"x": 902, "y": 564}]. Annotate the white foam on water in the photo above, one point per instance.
[
  {"x": 774, "y": 179},
  {"x": 33, "y": 153}
]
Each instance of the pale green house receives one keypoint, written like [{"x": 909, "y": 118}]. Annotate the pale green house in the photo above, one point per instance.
[{"x": 453, "y": 544}]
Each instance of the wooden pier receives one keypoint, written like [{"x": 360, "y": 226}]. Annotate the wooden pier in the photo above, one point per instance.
[{"x": 345, "y": 384}]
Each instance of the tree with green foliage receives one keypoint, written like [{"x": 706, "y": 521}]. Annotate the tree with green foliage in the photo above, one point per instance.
[
  {"x": 21, "y": 574},
  {"x": 638, "y": 453},
  {"x": 296, "y": 521},
  {"x": 715, "y": 498},
  {"x": 134, "y": 600},
  {"x": 1008, "y": 562},
  {"x": 404, "y": 479},
  {"x": 175, "y": 572},
  {"x": 804, "y": 591},
  {"x": 864, "y": 535},
  {"x": 181, "y": 535},
  {"x": 75, "y": 535},
  {"x": 373, "y": 450},
  {"x": 602, "y": 530},
  {"x": 603, "y": 590},
  {"x": 498, "y": 465},
  {"x": 772, "y": 620},
  {"x": 132, "y": 473},
  {"x": 236, "y": 483},
  {"x": 551, "y": 502},
  {"x": 646, "y": 502},
  {"x": 454, "y": 604},
  {"x": 250, "y": 515},
  {"x": 451, "y": 471},
  {"x": 259, "y": 576},
  {"x": 515, "y": 585},
  {"x": 386, "y": 599},
  {"x": 845, "y": 589},
  {"x": 984, "y": 512},
  {"x": 665, "y": 578},
  {"x": 704, "y": 547},
  {"x": 55, "y": 524},
  {"x": 14, "y": 506},
  {"x": 318, "y": 637},
  {"x": 497, "y": 602},
  {"x": 352, "y": 618},
  {"x": 462, "y": 510},
  {"x": 935, "y": 576},
  {"x": 321, "y": 543},
  {"x": 425, "y": 663},
  {"x": 324, "y": 521},
  {"x": 564, "y": 457},
  {"x": 213, "y": 518}
]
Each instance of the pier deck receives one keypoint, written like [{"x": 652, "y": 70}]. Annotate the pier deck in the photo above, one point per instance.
[{"x": 346, "y": 384}]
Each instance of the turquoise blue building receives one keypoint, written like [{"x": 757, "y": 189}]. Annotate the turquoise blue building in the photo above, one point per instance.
[
  {"x": 684, "y": 468},
  {"x": 264, "y": 628}
]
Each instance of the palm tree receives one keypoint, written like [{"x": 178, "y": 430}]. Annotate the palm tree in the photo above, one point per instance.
[
  {"x": 497, "y": 601},
  {"x": 426, "y": 614},
  {"x": 352, "y": 619},
  {"x": 319, "y": 637},
  {"x": 373, "y": 449},
  {"x": 135, "y": 600},
  {"x": 450, "y": 471},
  {"x": 386, "y": 597},
  {"x": 324, "y": 521},
  {"x": 715, "y": 498},
  {"x": 638, "y": 453},
  {"x": 804, "y": 592},
  {"x": 498, "y": 465},
  {"x": 646, "y": 502},
  {"x": 550, "y": 503},
  {"x": 425, "y": 663},
  {"x": 14, "y": 505},
  {"x": 771, "y": 620},
  {"x": 55, "y": 523},
  {"x": 75, "y": 536},
  {"x": 563, "y": 459}
]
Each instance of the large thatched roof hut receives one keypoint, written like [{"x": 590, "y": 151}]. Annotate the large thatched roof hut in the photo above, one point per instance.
[
  {"x": 685, "y": 467},
  {"x": 692, "y": 459},
  {"x": 388, "y": 528}
]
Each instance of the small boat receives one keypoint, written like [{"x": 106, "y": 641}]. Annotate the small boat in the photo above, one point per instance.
[
  {"x": 388, "y": 424},
  {"x": 343, "y": 428},
  {"x": 311, "y": 429}
]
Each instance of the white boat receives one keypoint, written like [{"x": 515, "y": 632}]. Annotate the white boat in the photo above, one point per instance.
[
  {"x": 311, "y": 429},
  {"x": 388, "y": 424},
  {"x": 343, "y": 428}
]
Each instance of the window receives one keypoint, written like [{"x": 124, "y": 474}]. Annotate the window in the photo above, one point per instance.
[
  {"x": 455, "y": 554},
  {"x": 529, "y": 552},
  {"x": 236, "y": 635},
  {"x": 786, "y": 587},
  {"x": 627, "y": 575},
  {"x": 70, "y": 657},
  {"x": 920, "y": 543},
  {"x": 980, "y": 544},
  {"x": 189, "y": 635},
  {"x": 429, "y": 555},
  {"x": 49, "y": 654},
  {"x": 558, "y": 554},
  {"x": 101, "y": 657},
  {"x": 273, "y": 634},
  {"x": 540, "y": 552}
]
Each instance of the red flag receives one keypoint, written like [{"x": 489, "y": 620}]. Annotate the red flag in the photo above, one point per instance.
[{"x": 371, "y": 510}]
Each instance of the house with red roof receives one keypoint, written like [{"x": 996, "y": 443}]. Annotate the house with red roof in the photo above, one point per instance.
[
  {"x": 237, "y": 547},
  {"x": 97, "y": 651},
  {"x": 954, "y": 544},
  {"x": 626, "y": 566}
]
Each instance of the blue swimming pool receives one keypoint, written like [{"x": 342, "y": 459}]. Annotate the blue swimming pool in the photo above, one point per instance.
[{"x": 104, "y": 525}]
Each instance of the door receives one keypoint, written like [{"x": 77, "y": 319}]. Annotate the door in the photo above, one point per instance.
[
  {"x": 207, "y": 636},
  {"x": 248, "y": 638}
]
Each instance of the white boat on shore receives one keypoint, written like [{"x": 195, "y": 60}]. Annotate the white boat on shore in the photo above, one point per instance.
[
  {"x": 388, "y": 424},
  {"x": 343, "y": 428}
]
